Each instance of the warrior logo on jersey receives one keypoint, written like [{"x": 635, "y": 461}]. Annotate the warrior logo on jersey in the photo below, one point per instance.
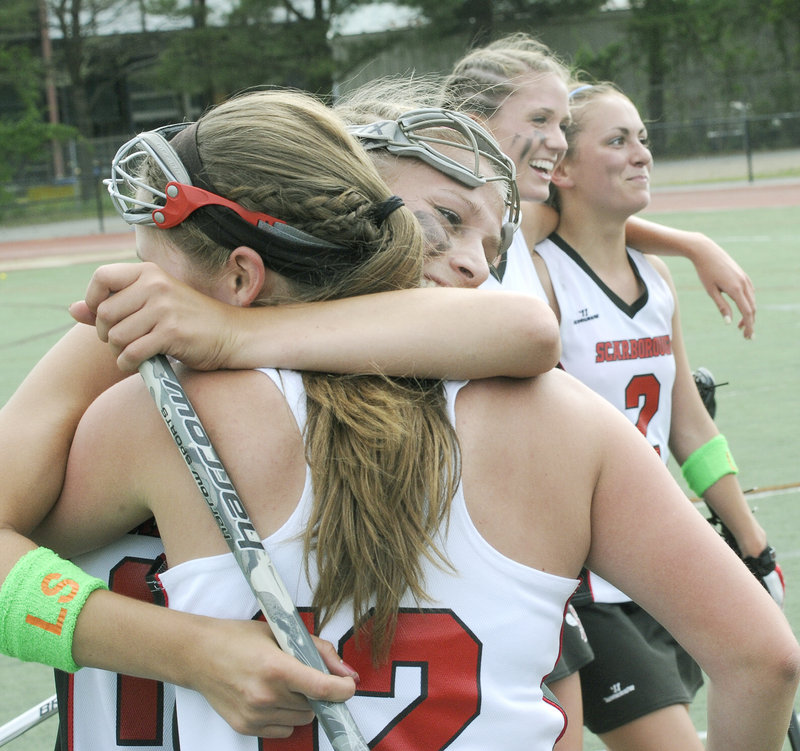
[{"x": 584, "y": 316}]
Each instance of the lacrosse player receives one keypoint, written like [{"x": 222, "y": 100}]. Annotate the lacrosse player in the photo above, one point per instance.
[{"x": 621, "y": 335}]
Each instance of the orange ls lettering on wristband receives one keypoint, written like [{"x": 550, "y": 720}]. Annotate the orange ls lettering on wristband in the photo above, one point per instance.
[
  {"x": 52, "y": 587},
  {"x": 41, "y": 599}
]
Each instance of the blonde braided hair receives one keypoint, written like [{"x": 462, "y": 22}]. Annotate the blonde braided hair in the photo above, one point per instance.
[{"x": 383, "y": 454}]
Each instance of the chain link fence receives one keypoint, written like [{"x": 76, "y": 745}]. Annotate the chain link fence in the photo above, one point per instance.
[{"x": 39, "y": 194}]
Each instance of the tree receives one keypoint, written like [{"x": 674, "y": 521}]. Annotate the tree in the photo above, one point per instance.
[
  {"x": 480, "y": 20},
  {"x": 285, "y": 42},
  {"x": 288, "y": 41},
  {"x": 24, "y": 131},
  {"x": 75, "y": 21},
  {"x": 673, "y": 41},
  {"x": 663, "y": 33},
  {"x": 206, "y": 60},
  {"x": 783, "y": 17}
]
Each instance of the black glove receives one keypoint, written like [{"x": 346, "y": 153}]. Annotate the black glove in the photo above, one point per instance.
[
  {"x": 765, "y": 567},
  {"x": 767, "y": 570}
]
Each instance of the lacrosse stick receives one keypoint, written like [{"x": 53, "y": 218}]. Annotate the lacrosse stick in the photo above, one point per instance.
[
  {"x": 244, "y": 542},
  {"x": 27, "y": 720}
]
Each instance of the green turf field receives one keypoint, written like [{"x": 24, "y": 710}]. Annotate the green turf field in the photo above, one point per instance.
[{"x": 758, "y": 410}]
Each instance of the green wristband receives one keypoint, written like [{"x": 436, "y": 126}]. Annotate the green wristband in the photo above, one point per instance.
[
  {"x": 40, "y": 601},
  {"x": 708, "y": 464}
]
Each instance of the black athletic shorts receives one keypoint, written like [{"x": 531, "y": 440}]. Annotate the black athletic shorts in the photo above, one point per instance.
[
  {"x": 637, "y": 669},
  {"x": 575, "y": 649}
]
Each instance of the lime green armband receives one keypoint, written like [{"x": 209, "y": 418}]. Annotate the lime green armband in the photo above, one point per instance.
[
  {"x": 40, "y": 601},
  {"x": 708, "y": 464}
]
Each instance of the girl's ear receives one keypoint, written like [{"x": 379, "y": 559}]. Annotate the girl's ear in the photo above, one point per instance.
[
  {"x": 244, "y": 277},
  {"x": 561, "y": 175}
]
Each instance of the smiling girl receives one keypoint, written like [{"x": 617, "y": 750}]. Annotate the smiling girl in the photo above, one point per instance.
[
  {"x": 621, "y": 335},
  {"x": 517, "y": 88}
]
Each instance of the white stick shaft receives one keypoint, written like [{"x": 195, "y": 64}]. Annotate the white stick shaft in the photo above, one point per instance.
[
  {"x": 27, "y": 720},
  {"x": 244, "y": 542}
]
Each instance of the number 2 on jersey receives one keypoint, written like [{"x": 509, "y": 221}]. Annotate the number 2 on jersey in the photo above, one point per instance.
[
  {"x": 644, "y": 390},
  {"x": 447, "y": 657}
]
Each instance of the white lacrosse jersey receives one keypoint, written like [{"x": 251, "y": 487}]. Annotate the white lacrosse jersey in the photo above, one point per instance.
[
  {"x": 99, "y": 710},
  {"x": 621, "y": 351},
  {"x": 518, "y": 274},
  {"x": 465, "y": 667}
]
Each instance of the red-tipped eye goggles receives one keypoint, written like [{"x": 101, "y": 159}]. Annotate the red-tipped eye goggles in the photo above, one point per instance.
[{"x": 183, "y": 200}]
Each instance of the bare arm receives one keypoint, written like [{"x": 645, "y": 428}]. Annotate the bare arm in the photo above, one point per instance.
[
  {"x": 254, "y": 685},
  {"x": 691, "y": 427},
  {"x": 244, "y": 675},
  {"x": 666, "y": 557},
  {"x": 595, "y": 492},
  {"x": 36, "y": 428},
  {"x": 438, "y": 333},
  {"x": 718, "y": 272}
]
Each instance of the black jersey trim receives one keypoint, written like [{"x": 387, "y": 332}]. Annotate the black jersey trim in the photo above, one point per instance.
[{"x": 629, "y": 309}]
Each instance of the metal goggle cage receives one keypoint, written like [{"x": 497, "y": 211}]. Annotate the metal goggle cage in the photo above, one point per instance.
[
  {"x": 284, "y": 248},
  {"x": 140, "y": 203},
  {"x": 414, "y": 135},
  {"x": 133, "y": 198}
]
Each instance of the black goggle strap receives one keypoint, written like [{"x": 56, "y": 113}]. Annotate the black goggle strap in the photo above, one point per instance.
[{"x": 285, "y": 249}]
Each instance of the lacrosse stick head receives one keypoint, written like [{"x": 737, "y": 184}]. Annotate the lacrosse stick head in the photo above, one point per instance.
[
  {"x": 455, "y": 145},
  {"x": 707, "y": 387}
]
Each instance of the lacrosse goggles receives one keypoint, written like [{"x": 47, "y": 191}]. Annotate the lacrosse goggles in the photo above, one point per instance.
[
  {"x": 418, "y": 133},
  {"x": 189, "y": 192}
]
